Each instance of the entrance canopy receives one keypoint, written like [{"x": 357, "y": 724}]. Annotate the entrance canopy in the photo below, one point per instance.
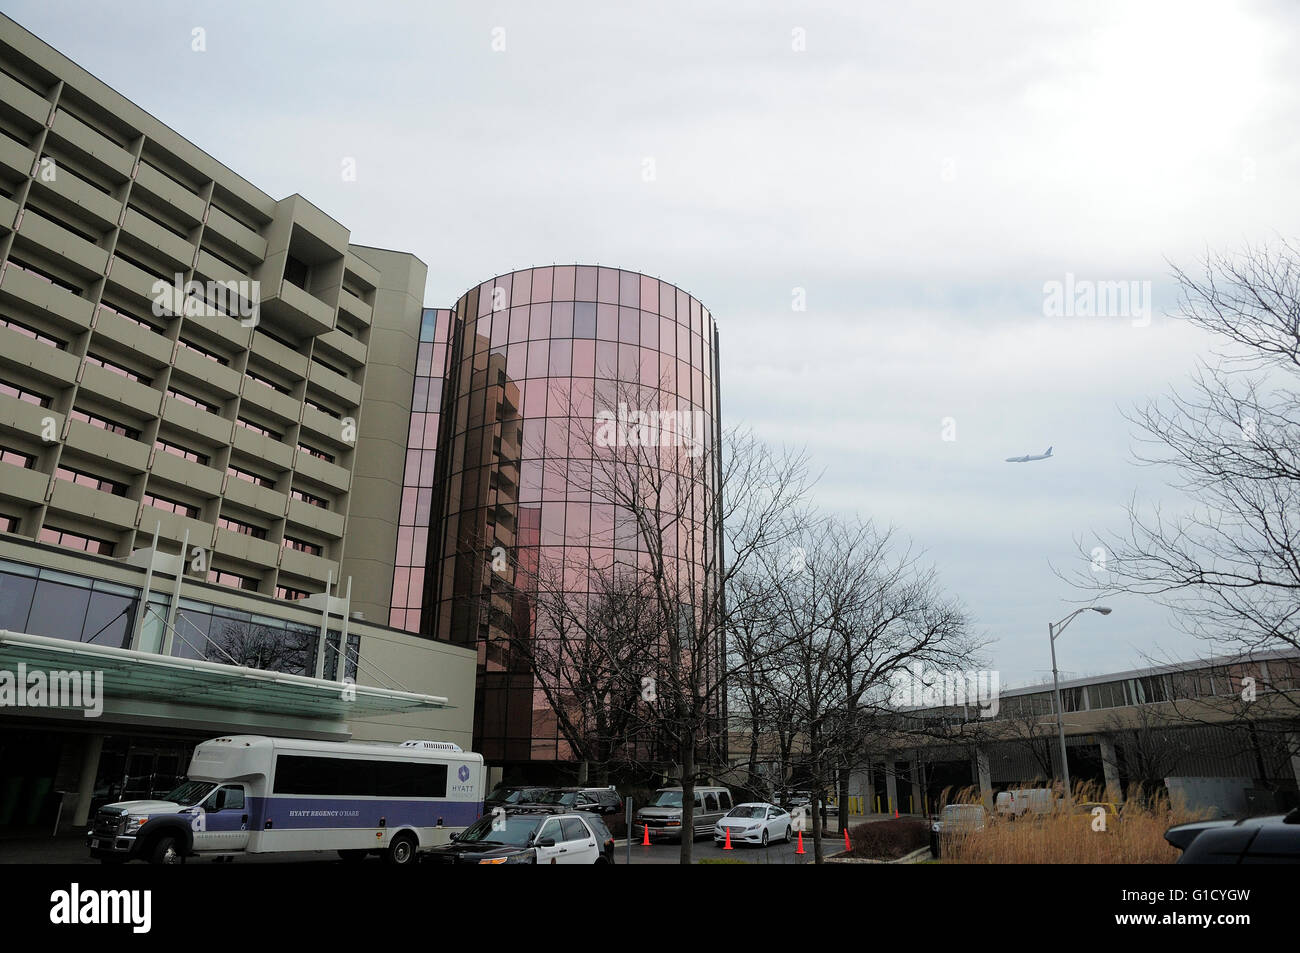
[{"x": 131, "y": 674}]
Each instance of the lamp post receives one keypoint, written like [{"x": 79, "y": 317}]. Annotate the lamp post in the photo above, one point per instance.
[{"x": 1052, "y": 632}]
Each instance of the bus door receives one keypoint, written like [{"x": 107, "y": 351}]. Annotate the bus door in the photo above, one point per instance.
[{"x": 224, "y": 822}]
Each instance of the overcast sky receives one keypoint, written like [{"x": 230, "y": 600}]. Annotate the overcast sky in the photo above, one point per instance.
[{"x": 920, "y": 170}]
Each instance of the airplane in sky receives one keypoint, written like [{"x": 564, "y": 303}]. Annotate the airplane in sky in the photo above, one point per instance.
[{"x": 1030, "y": 456}]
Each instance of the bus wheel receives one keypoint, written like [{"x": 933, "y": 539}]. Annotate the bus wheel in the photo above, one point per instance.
[
  {"x": 166, "y": 850},
  {"x": 353, "y": 856},
  {"x": 401, "y": 851}
]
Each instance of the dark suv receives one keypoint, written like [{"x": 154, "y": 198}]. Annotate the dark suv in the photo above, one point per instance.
[
  {"x": 1252, "y": 840},
  {"x": 603, "y": 801},
  {"x": 510, "y": 795}
]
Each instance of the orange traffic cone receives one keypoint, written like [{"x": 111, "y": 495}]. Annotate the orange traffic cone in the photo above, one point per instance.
[
  {"x": 728, "y": 846},
  {"x": 645, "y": 841},
  {"x": 847, "y": 845},
  {"x": 895, "y": 812},
  {"x": 800, "y": 850}
]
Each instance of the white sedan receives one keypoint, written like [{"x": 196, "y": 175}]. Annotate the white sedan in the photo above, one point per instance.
[{"x": 754, "y": 823}]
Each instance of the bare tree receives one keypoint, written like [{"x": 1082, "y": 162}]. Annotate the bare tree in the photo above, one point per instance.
[{"x": 1230, "y": 563}]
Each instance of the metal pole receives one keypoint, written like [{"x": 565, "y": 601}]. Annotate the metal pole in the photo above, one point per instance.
[
  {"x": 1060, "y": 724},
  {"x": 627, "y": 810}
]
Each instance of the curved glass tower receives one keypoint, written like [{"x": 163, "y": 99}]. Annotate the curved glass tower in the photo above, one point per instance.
[{"x": 529, "y": 355}]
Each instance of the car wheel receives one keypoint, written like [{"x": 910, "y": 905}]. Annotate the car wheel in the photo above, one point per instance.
[
  {"x": 401, "y": 852},
  {"x": 764, "y": 838},
  {"x": 166, "y": 850}
]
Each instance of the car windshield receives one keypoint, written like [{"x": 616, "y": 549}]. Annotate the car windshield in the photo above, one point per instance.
[
  {"x": 667, "y": 799},
  {"x": 514, "y": 830},
  {"x": 190, "y": 793},
  {"x": 557, "y": 797},
  {"x": 747, "y": 812}
]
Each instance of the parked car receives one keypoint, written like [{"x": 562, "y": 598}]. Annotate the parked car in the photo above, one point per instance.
[
  {"x": 754, "y": 823},
  {"x": 663, "y": 815},
  {"x": 603, "y": 801},
  {"x": 956, "y": 819},
  {"x": 529, "y": 836},
  {"x": 505, "y": 795},
  {"x": 1273, "y": 839},
  {"x": 1016, "y": 802}
]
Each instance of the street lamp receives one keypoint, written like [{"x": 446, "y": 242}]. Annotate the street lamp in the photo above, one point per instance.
[{"x": 1053, "y": 631}]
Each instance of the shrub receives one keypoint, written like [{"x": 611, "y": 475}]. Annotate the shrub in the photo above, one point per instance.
[{"x": 889, "y": 840}]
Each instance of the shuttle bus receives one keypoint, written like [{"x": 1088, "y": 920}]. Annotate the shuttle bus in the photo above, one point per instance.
[{"x": 252, "y": 794}]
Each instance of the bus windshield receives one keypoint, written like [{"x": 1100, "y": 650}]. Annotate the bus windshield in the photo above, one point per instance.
[{"x": 190, "y": 793}]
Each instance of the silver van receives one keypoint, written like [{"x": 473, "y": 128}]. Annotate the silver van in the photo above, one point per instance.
[{"x": 662, "y": 817}]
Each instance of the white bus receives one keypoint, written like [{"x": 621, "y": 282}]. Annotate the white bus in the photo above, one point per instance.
[{"x": 252, "y": 794}]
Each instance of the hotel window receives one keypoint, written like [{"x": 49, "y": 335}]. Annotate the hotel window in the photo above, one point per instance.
[
  {"x": 302, "y": 546},
  {"x": 8, "y": 524},
  {"x": 324, "y": 410},
  {"x": 103, "y": 423},
  {"x": 232, "y": 579},
  {"x": 87, "y": 544},
  {"x": 318, "y": 454},
  {"x": 284, "y": 592},
  {"x": 179, "y": 451},
  {"x": 171, "y": 506},
  {"x": 202, "y": 352},
  {"x": 242, "y": 528},
  {"x": 30, "y": 332},
  {"x": 119, "y": 369},
  {"x": 254, "y": 376},
  {"x": 23, "y": 394},
  {"x": 192, "y": 401},
  {"x": 250, "y": 477},
  {"x": 17, "y": 458},
  {"x": 81, "y": 478},
  {"x": 309, "y": 498},
  {"x": 257, "y": 428}
]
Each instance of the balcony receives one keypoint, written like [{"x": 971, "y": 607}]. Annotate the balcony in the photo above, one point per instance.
[
  {"x": 37, "y": 361},
  {"x": 270, "y": 503},
  {"x": 213, "y": 430},
  {"x": 75, "y": 251},
  {"x": 92, "y": 148},
  {"x": 233, "y": 233},
  {"x": 173, "y": 248},
  {"x": 324, "y": 426},
  {"x": 323, "y": 521},
  {"x": 192, "y": 364},
  {"x": 137, "y": 284},
  {"x": 190, "y": 474},
  {"x": 246, "y": 549},
  {"x": 291, "y": 362},
  {"x": 16, "y": 157},
  {"x": 104, "y": 444},
  {"x": 26, "y": 487},
  {"x": 8, "y": 212},
  {"x": 355, "y": 306},
  {"x": 281, "y": 406},
  {"x": 172, "y": 526},
  {"x": 81, "y": 199},
  {"x": 137, "y": 338},
  {"x": 348, "y": 349},
  {"x": 18, "y": 416},
  {"x": 324, "y": 473},
  {"x": 29, "y": 293},
  {"x": 297, "y": 311},
  {"x": 83, "y": 503},
  {"x": 140, "y": 399},
  {"x": 260, "y": 446},
  {"x": 347, "y": 392},
  {"x": 187, "y": 206},
  {"x": 17, "y": 98},
  {"x": 307, "y": 566}
]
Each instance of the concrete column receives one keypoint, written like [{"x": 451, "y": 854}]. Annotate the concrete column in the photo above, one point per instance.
[
  {"x": 918, "y": 793},
  {"x": 870, "y": 792},
  {"x": 891, "y": 788},
  {"x": 982, "y": 777},
  {"x": 94, "y": 744},
  {"x": 1110, "y": 767}
]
